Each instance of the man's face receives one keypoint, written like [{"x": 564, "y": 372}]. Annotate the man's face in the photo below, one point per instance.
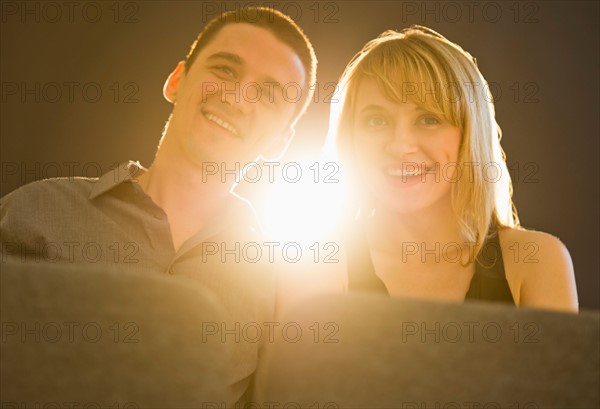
[{"x": 237, "y": 100}]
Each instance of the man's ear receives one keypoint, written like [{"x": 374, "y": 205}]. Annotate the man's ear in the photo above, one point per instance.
[
  {"x": 172, "y": 82},
  {"x": 279, "y": 145}
]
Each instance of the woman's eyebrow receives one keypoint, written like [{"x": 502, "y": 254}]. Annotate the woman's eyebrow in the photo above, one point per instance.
[
  {"x": 372, "y": 107},
  {"x": 422, "y": 109}
]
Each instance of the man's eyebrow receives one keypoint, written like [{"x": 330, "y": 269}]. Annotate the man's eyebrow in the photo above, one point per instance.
[
  {"x": 222, "y": 55},
  {"x": 236, "y": 59}
]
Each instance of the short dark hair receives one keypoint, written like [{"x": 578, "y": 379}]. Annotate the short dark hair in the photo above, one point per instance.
[{"x": 284, "y": 29}]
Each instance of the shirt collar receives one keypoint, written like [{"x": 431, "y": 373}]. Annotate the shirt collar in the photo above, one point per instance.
[{"x": 125, "y": 172}]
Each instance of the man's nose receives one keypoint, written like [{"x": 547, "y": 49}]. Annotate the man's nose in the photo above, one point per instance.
[{"x": 239, "y": 95}]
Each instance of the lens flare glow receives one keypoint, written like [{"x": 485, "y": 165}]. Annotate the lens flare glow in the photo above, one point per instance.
[{"x": 304, "y": 203}]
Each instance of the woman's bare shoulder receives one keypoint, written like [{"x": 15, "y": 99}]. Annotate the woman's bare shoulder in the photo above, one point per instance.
[{"x": 540, "y": 266}]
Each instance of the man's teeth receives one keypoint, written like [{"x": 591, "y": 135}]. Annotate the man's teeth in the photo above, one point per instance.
[
  {"x": 222, "y": 123},
  {"x": 404, "y": 173}
]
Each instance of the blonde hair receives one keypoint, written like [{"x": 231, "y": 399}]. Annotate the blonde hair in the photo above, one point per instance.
[{"x": 421, "y": 66}]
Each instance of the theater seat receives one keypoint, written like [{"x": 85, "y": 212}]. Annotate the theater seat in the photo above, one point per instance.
[
  {"x": 376, "y": 352},
  {"x": 79, "y": 335}
]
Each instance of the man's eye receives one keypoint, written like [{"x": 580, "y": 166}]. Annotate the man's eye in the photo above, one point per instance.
[
  {"x": 225, "y": 70},
  {"x": 429, "y": 120}
]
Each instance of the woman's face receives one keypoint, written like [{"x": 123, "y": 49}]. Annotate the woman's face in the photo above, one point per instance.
[{"x": 407, "y": 156}]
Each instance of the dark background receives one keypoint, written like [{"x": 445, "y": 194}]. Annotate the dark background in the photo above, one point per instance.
[{"x": 541, "y": 57}]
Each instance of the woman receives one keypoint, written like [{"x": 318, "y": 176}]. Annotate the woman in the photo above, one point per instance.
[
  {"x": 420, "y": 147},
  {"x": 419, "y": 141}
]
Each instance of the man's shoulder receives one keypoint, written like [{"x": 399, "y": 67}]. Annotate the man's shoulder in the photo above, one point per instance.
[
  {"x": 35, "y": 213},
  {"x": 48, "y": 191},
  {"x": 71, "y": 190}
]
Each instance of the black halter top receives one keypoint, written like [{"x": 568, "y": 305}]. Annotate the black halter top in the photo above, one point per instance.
[{"x": 488, "y": 283}]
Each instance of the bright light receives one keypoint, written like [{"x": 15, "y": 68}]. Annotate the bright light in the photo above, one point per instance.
[{"x": 304, "y": 203}]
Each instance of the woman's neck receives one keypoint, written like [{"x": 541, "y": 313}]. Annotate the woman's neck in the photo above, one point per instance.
[{"x": 391, "y": 231}]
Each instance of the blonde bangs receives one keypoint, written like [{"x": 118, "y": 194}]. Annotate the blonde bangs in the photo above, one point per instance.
[{"x": 405, "y": 73}]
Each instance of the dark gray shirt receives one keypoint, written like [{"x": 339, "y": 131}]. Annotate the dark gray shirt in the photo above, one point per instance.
[{"x": 111, "y": 221}]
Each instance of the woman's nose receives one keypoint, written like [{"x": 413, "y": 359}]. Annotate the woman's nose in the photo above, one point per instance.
[{"x": 402, "y": 141}]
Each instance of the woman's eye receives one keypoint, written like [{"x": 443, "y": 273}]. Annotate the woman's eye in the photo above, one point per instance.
[
  {"x": 376, "y": 122},
  {"x": 429, "y": 120}
]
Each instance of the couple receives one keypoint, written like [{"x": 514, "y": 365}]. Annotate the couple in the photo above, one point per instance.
[{"x": 392, "y": 138}]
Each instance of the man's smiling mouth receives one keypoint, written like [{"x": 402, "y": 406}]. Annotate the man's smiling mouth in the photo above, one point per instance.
[{"x": 222, "y": 123}]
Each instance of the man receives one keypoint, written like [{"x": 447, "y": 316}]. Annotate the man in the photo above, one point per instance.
[{"x": 229, "y": 108}]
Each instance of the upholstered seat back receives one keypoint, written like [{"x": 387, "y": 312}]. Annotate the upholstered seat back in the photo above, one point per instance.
[
  {"x": 107, "y": 339},
  {"x": 377, "y": 352}
]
